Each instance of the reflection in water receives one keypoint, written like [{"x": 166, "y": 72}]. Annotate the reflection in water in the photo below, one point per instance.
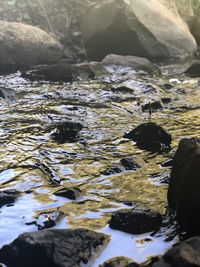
[{"x": 34, "y": 164}]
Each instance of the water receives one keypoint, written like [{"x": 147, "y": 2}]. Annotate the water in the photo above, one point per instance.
[{"x": 28, "y": 118}]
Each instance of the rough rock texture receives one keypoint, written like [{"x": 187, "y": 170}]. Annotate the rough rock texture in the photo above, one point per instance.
[
  {"x": 183, "y": 255},
  {"x": 136, "y": 221},
  {"x": 184, "y": 186},
  {"x": 141, "y": 28},
  {"x": 54, "y": 248},
  {"x": 119, "y": 262},
  {"x": 136, "y": 63},
  {"x": 150, "y": 136},
  {"x": 24, "y": 45}
]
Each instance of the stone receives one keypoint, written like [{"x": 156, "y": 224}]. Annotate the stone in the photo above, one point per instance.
[
  {"x": 184, "y": 186},
  {"x": 141, "y": 28},
  {"x": 193, "y": 70},
  {"x": 136, "y": 221},
  {"x": 8, "y": 197},
  {"x": 135, "y": 63},
  {"x": 67, "y": 131},
  {"x": 24, "y": 45},
  {"x": 119, "y": 262},
  {"x": 54, "y": 248},
  {"x": 70, "y": 192},
  {"x": 150, "y": 136},
  {"x": 156, "y": 105},
  {"x": 55, "y": 73}
]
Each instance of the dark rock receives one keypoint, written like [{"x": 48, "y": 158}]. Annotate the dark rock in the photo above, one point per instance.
[
  {"x": 119, "y": 262},
  {"x": 152, "y": 106},
  {"x": 67, "y": 131},
  {"x": 135, "y": 63},
  {"x": 122, "y": 89},
  {"x": 193, "y": 70},
  {"x": 125, "y": 164},
  {"x": 167, "y": 86},
  {"x": 136, "y": 221},
  {"x": 8, "y": 197},
  {"x": 167, "y": 163},
  {"x": 184, "y": 186},
  {"x": 71, "y": 192},
  {"x": 47, "y": 220},
  {"x": 166, "y": 100},
  {"x": 54, "y": 73},
  {"x": 183, "y": 255},
  {"x": 161, "y": 263},
  {"x": 150, "y": 136},
  {"x": 54, "y": 248}
]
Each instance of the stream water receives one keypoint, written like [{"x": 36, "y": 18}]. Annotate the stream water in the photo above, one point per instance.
[{"x": 28, "y": 115}]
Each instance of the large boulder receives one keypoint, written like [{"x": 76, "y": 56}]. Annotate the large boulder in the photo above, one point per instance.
[
  {"x": 184, "y": 186},
  {"x": 141, "y": 28},
  {"x": 23, "y": 45},
  {"x": 54, "y": 248}
]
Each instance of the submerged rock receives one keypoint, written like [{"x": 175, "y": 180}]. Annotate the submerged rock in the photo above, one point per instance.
[
  {"x": 55, "y": 247},
  {"x": 184, "y": 186},
  {"x": 119, "y": 262},
  {"x": 24, "y": 45},
  {"x": 150, "y": 136},
  {"x": 8, "y": 196},
  {"x": 54, "y": 73},
  {"x": 183, "y": 255},
  {"x": 67, "y": 131},
  {"x": 156, "y": 105},
  {"x": 136, "y": 221},
  {"x": 134, "y": 28},
  {"x": 70, "y": 192},
  {"x": 135, "y": 63}
]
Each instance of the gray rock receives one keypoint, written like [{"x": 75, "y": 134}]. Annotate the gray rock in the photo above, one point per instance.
[
  {"x": 141, "y": 28},
  {"x": 54, "y": 248},
  {"x": 24, "y": 45},
  {"x": 119, "y": 262}
]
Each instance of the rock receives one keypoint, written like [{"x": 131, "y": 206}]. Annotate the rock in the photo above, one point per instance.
[
  {"x": 8, "y": 196},
  {"x": 67, "y": 131},
  {"x": 23, "y": 45},
  {"x": 70, "y": 192},
  {"x": 136, "y": 221},
  {"x": 55, "y": 73},
  {"x": 55, "y": 247},
  {"x": 47, "y": 219},
  {"x": 193, "y": 70},
  {"x": 152, "y": 106},
  {"x": 135, "y": 63},
  {"x": 150, "y": 136},
  {"x": 119, "y": 262},
  {"x": 184, "y": 186},
  {"x": 184, "y": 254},
  {"x": 141, "y": 28},
  {"x": 194, "y": 28},
  {"x": 88, "y": 70},
  {"x": 125, "y": 164}
]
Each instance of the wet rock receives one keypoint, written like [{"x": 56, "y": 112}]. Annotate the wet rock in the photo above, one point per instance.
[
  {"x": 125, "y": 164},
  {"x": 167, "y": 86},
  {"x": 136, "y": 221},
  {"x": 183, "y": 255},
  {"x": 150, "y": 136},
  {"x": 193, "y": 70},
  {"x": 67, "y": 131},
  {"x": 55, "y": 73},
  {"x": 55, "y": 247},
  {"x": 135, "y": 63},
  {"x": 123, "y": 27},
  {"x": 47, "y": 220},
  {"x": 166, "y": 100},
  {"x": 71, "y": 193},
  {"x": 24, "y": 45},
  {"x": 152, "y": 106},
  {"x": 184, "y": 186},
  {"x": 8, "y": 196},
  {"x": 88, "y": 70},
  {"x": 119, "y": 262}
]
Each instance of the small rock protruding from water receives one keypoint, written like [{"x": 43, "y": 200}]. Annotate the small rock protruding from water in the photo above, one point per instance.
[
  {"x": 156, "y": 105},
  {"x": 70, "y": 192},
  {"x": 8, "y": 196},
  {"x": 150, "y": 136},
  {"x": 67, "y": 131},
  {"x": 119, "y": 262},
  {"x": 136, "y": 221},
  {"x": 55, "y": 247}
]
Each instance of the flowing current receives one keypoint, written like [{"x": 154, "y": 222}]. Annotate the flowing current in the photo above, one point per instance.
[{"x": 107, "y": 107}]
